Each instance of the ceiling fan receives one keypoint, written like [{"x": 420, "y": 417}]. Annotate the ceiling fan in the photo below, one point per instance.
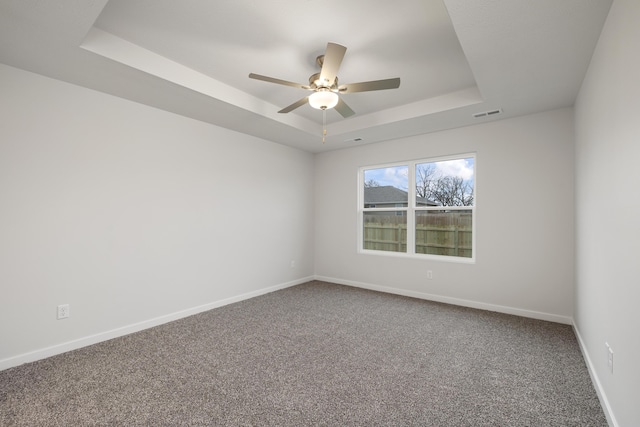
[{"x": 324, "y": 84}]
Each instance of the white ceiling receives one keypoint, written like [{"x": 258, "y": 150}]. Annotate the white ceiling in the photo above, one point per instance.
[{"x": 454, "y": 58}]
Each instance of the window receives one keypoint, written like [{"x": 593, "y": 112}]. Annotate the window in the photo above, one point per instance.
[{"x": 422, "y": 208}]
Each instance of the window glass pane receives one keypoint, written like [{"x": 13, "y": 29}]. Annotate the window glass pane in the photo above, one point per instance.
[
  {"x": 385, "y": 231},
  {"x": 386, "y": 187},
  {"x": 442, "y": 232},
  {"x": 445, "y": 183}
]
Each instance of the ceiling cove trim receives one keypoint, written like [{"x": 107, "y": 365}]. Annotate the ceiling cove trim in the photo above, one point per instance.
[
  {"x": 120, "y": 50},
  {"x": 114, "y": 48}
]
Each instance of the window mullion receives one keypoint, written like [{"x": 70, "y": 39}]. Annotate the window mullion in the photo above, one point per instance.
[{"x": 411, "y": 216}]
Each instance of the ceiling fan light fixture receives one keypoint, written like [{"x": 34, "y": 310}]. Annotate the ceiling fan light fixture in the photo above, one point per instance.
[{"x": 323, "y": 99}]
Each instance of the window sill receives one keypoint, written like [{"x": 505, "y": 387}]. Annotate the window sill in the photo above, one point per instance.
[{"x": 423, "y": 257}]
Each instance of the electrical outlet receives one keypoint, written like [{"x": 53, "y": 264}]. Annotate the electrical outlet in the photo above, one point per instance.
[
  {"x": 429, "y": 274},
  {"x": 609, "y": 357},
  {"x": 293, "y": 264},
  {"x": 63, "y": 311}
]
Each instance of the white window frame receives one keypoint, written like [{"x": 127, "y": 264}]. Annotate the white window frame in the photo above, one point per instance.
[{"x": 411, "y": 210}]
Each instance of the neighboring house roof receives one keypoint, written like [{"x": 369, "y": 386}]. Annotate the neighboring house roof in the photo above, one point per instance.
[{"x": 389, "y": 194}]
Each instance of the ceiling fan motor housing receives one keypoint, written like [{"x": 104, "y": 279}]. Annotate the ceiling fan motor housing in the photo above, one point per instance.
[{"x": 315, "y": 83}]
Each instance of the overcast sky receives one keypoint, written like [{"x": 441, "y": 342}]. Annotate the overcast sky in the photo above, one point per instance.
[{"x": 397, "y": 176}]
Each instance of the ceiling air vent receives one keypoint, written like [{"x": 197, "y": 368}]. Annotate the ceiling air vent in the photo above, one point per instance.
[
  {"x": 356, "y": 139},
  {"x": 488, "y": 113}
]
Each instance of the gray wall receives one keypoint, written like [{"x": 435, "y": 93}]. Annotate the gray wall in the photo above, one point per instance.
[
  {"x": 524, "y": 173},
  {"x": 608, "y": 212},
  {"x": 134, "y": 216}
]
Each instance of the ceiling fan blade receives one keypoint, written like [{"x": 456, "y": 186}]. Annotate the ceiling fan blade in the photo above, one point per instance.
[
  {"x": 331, "y": 63},
  {"x": 278, "y": 81},
  {"x": 295, "y": 105},
  {"x": 344, "y": 110},
  {"x": 372, "y": 85}
]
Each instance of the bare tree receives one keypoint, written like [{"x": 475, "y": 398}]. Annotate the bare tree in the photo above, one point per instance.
[
  {"x": 425, "y": 180},
  {"x": 446, "y": 190},
  {"x": 452, "y": 191},
  {"x": 371, "y": 183}
]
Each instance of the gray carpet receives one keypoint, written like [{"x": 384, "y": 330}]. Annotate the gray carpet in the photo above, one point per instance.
[{"x": 316, "y": 354}]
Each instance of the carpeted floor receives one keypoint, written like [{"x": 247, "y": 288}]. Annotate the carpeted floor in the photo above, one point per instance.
[{"x": 316, "y": 354}]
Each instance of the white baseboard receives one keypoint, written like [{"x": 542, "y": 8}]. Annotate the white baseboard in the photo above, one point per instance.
[
  {"x": 604, "y": 402},
  {"x": 136, "y": 327},
  {"x": 455, "y": 301}
]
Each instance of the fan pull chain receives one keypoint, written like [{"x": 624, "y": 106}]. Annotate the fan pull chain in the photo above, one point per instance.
[{"x": 324, "y": 125}]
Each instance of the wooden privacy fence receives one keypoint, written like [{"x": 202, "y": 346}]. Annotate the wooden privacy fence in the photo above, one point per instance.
[{"x": 447, "y": 233}]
